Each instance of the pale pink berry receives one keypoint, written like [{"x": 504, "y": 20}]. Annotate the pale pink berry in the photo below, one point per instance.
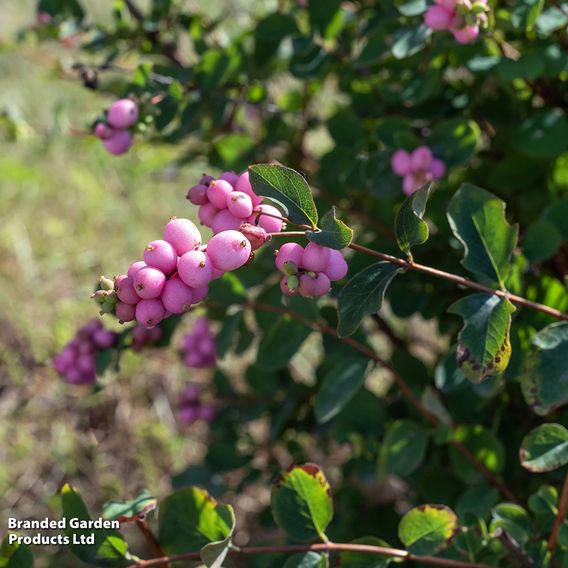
[
  {"x": 285, "y": 287},
  {"x": 231, "y": 177},
  {"x": 256, "y": 235},
  {"x": 200, "y": 293},
  {"x": 104, "y": 339},
  {"x": 207, "y": 213},
  {"x": 465, "y": 35},
  {"x": 400, "y": 162},
  {"x": 409, "y": 184},
  {"x": 123, "y": 114},
  {"x": 102, "y": 130},
  {"x": 243, "y": 184},
  {"x": 149, "y": 282},
  {"x": 315, "y": 257},
  {"x": 195, "y": 268},
  {"x": 421, "y": 158},
  {"x": 437, "y": 169},
  {"x": 289, "y": 252},
  {"x": 239, "y": 204},
  {"x": 217, "y": 273},
  {"x": 125, "y": 312},
  {"x": 438, "y": 18},
  {"x": 190, "y": 394},
  {"x": 182, "y": 234},
  {"x": 201, "y": 327},
  {"x": 224, "y": 221},
  {"x": 229, "y": 250},
  {"x": 135, "y": 267},
  {"x": 206, "y": 180},
  {"x": 161, "y": 255},
  {"x": 150, "y": 312},
  {"x": 176, "y": 296},
  {"x": 198, "y": 194},
  {"x": 448, "y": 5},
  {"x": 206, "y": 412},
  {"x": 268, "y": 222},
  {"x": 336, "y": 268},
  {"x": 218, "y": 191},
  {"x": 118, "y": 142},
  {"x": 126, "y": 291},
  {"x": 314, "y": 286},
  {"x": 188, "y": 414},
  {"x": 86, "y": 363}
]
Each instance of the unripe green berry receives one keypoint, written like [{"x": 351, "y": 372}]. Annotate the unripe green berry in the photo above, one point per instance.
[
  {"x": 106, "y": 283},
  {"x": 290, "y": 268}
]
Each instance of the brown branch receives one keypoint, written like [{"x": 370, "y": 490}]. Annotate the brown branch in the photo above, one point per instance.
[
  {"x": 323, "y": 547},
  {"x": 560, "y": 517},
  {"x": 151, "y": 541},
  {"x": 515, "y": 549}
]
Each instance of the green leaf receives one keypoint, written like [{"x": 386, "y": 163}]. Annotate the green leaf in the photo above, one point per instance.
[
  {"x": 289, "y": 187},
  {"x": 132, "y": 510},
  {"x": 477, "y": 219},
  {"x": 226, "y": 337},
  {"x": 339, "y": 386},
  {"x": 109, "y": 550},
  {"x": 543, "y": 134},
  {"x": 483, "y": 348},
  {"x": 544, "y": 501},
  {"x": 306, "y": 560},
  {"x": 513, "y": 519},
  {"x": 477, "y": 501},
  {"x": 411, "y": 7},
  {"x": 410, "y": 40},
  {"x": 15, "y": 555},
  {"x": 280, "y": 343},
  {"x": 545, "y": 448},
  {"x": 363, "y": 295},
  {"x": 301, "y": 502},
  {"x": 322, "y": 14},
  {"x": 427, "y": 529},
  {"x": 190, "y": 519},
  {"x": 455, "y": 141},
  {"x": 334, "y": 233},
  {"x": 545, "y": 378},
  {"x": 403, "y": 448},
  {"x": 410, "y": 228},
  {"x": 362, "y": 560},
  {"x": 214, "y": 553},
  {"x": 541, "y": 241}
]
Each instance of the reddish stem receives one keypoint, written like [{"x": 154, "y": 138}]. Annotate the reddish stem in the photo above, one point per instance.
[{"x": 560, "y": 517}]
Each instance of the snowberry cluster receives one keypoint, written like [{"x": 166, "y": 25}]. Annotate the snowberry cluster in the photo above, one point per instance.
[
  {"x": 77, "y": 361},
  {"x": 309, "y": 271},
  {"x": 143, "y": 336},
  {"x": 199, "y": 347},
  {"x": 462, "y": 18},
  {"x": 229, "y": 201},
  {"x": 175, "y": 273},
  {"x": 416, "y": 168},
  {"x": 192, "y": 409},
  {"x": 114, "y": 133}
]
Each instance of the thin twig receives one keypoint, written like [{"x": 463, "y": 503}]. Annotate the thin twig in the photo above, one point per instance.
[
  {"x": 151, "y": 541},
  {"x": 323, "y": 547},
  {"x": 560, "y": 516}
]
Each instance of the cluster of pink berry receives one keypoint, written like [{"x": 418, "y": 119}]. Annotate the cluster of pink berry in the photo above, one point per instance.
[
  {"x": 200, "y": 346},
  {"x": 229, "y": 201},
  {"x": 309, "y": 271},
  {"x": 416, "y": 168},
  {"x": 115, "y": 133},
  {"x": 77, "y": 361},
  {"x": 192, "y": 409},
  {"x": 462, "y": 18},
  {"x": 174, "y": 274},
  {"x": 143, "y": 336}
]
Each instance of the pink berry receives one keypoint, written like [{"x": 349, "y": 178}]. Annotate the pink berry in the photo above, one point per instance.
[
  {"x": 438, "y": 18},
  {"x": 104, "y": 339},
  {"x": 190, "y": 394},
  {"x": 135, "y": 267},
  {"x": 217, "y": 273},
  {"x": 437, "y": 169},
  {"x": 311, "y": 287},
  {"x": 198, "y": 194},
  {"x": 231, "y": 177},
  {"x": 182, "y": 234},
  {"x": 86, "y": 363},
  {"x": 207, "y": 213},
  {"x": 315, "y": 257},
  {"x": 218, "y": 192},
  {"x": 289, "y": 252},
  {"x": 465, "y": 35},
  {"x": 102, "y": 130},
  {"x": 188, "y": 414},
  {"x": 195, "y": 268},
  {"x": 421, "y": 158},
  {"x": 149, "y": 282},
  {"x": 122, "y": 114},
  {"x": 224, "y": 221},
  {"x": 285, "y": 287},
  {"x": 176, "y": 296},
  {"x": 201, "y": 327},
  {"x": 409, "y": 184},
  {"x": 206, "y": 412},
  {"x": 448, "y": 5},
  {"x": 150, "y": 312},
  {"x": 118, "y": 142},
  {"x": 400, "y": 162},
  {"x": 200, "y": 293},
  {"x": 239, "y": 204},
  {"x": 206, "y": 180},
  {"x": 336, "y": 268},
  {"x": 243, "y": 184},
  {"x": 229, "y": 250},
  {"x": 256, "y": 235},
  {"x": 126, "y": 291},
  {"x": 161, "y": 255},
  {"x": 267, "y": 222},
  {"x": 125, "y": 312}
]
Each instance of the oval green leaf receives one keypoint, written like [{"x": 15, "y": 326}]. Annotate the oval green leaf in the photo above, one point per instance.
[
  {"x": 403, "y": 448},
  {"x": 15, "y": 555},
  {"x": 545, "y": 448},
  {"x": 334, "y": 233},
  {"x": 363, "y": 560},
  {"x": 125, "y": 511},
  {"x": 513, "y": 519},
  {"x": 410, "y": 228}
]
